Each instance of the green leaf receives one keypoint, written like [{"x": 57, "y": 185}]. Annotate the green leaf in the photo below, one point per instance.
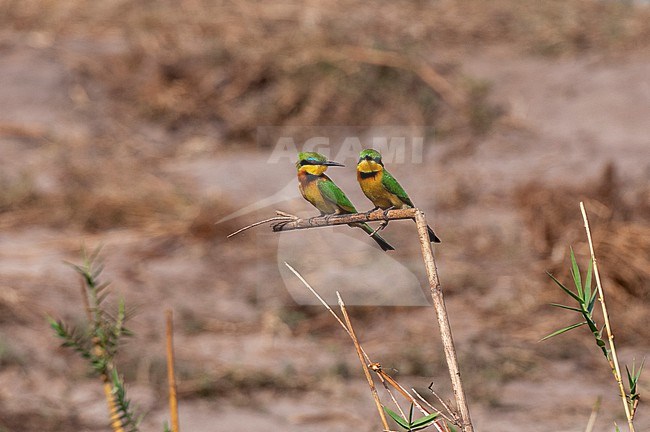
[
  {"x": 565, "y": 289},
  {"x": 633, "y": 379},
  {"x": 630, "y": 380},
  {"x": 575, "y": 271},
  {"x": 567, "y": 307},
  {"x": 423, "y": 422},
  {"x": 563, "y": 330},
  {"x": 588, "y": 294},
  {"x": 592, "y": 301},
  {"x": 398, "y": 419}
]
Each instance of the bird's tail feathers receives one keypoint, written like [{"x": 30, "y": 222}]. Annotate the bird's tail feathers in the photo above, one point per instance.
[
  {"x": 432, "y": 236},
  {"x": 383, "y": 244}
]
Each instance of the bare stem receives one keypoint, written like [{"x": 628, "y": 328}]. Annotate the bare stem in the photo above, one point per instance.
[
  {"x": 443, "y": 322},
  {"x": 371, "y": 384},
  {"x": 613, "y": 360},
  {"x": 171, "y": 378}
]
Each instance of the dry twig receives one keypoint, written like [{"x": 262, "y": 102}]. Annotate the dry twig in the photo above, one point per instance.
[
  {"x": 364, "y": 365},
  {"x": 288, "y": 222}
]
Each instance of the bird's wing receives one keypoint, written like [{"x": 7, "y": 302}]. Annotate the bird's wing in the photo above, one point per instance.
[
  {"x": 394, "y": 187},
  {"x": 332, "y": 193}
]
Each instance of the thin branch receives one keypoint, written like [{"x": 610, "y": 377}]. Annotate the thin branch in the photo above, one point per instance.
[
  {"x": 434, "y": 409},
  {"x": 277, "y": 219},
  {"x": 613, "y": 361},
  {"x": 287, "y": 222},
  {"x": 442, "y": 402},
  {"x": 171, "y": 379},
  {"x": 371, "y": 384},
  {"x": 443, "y": 322}
]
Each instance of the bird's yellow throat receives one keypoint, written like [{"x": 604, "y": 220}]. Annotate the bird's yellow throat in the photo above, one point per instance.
[
  {"x": 369, "y": 166},
  {"x": 313, "y": 169}
]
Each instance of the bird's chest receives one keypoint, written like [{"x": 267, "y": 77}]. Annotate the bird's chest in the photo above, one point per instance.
[
  {"x": 376, "y": 192},
  {"x": 310, "y": 191}
]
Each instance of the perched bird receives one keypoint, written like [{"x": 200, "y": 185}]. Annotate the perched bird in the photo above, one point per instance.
[
  {"x": 324, "y": 194},
  {"x": 381, "y": 187}
]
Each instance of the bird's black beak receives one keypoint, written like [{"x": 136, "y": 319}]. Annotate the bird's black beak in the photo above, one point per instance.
[{"x": 332, "y": 163}]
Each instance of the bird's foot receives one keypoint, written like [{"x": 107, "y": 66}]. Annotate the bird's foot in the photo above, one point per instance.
[
  {"x": 386, "y": 213},
  {"x": 371, "y": 211},
  {"x": 381, "y": 226},
  {"x": 310, "y": 221}
]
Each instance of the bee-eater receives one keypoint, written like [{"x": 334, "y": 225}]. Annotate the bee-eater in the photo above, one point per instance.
[
  {"x": 324, "y": 194},
  {"x": 381, "y": 187}
]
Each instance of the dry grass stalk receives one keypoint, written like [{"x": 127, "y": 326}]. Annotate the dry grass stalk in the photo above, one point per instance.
[
  {"x": 171, "y": 378},
  {"x": 594, "y": 415},
  {"x": 347, "y": 326},
  {"x": 613, "y": 360},
  {"x": 364, "y": 365},
  {"x": 376, "y": 367}
]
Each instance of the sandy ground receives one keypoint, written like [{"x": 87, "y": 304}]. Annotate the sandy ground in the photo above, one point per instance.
[{"x": 248, "y": 358}]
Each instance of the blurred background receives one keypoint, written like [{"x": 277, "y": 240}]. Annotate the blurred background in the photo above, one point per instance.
[{"x": 132, "y": 125}]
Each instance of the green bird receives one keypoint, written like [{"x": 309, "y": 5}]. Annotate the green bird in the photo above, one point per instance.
[
  {"x": 325, "y": 195},
  {"x": 381, "y": 187}
]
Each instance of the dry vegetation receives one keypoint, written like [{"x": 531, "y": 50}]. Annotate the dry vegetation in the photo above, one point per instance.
[
  {"x": 149, "y": 77},
  {"x": 233, "y": 67},
  {"x": 623, "y": 232}
]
